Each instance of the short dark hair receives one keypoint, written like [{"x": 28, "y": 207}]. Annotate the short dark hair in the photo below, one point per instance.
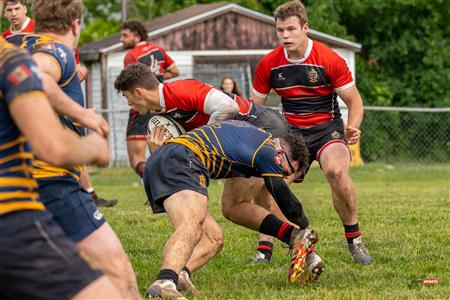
[
  {"x": 23, "y": 2},
  {"x": 136, "y": 75},
  {"x": 137, "y": 27},
  {"x": 291, "y": 9},
  {"x": 298, "y": 149}
]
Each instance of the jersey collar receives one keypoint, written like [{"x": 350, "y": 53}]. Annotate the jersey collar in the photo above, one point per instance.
[
  {"x": 305, "y": 57},
  {"x": 24, "y": 25}
]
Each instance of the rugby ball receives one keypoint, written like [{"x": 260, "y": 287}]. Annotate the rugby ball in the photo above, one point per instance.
[{"x": 170, "y": 125}]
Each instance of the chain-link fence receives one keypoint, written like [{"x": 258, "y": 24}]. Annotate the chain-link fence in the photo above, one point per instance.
[
  {"x": 391, "y": 135},
  {"x": 410, "y": 135}
]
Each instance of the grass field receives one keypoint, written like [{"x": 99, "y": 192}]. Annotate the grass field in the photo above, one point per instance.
[{"x": 404, "y": 212}]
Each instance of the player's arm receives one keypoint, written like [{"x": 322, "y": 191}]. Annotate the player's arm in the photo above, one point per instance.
[
  {"x": 352, "y": 99},
  {"x": 171, "y": 72},
  {"x": 49, "y": 140},
  {"x": 220, "y": 107},
  {"x": 258, "y": 99},
  {"x": 288, "y": 203},
  {"x": 62, "y": 103}
]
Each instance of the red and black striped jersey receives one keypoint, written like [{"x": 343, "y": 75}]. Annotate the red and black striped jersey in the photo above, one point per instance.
[
  {"x": 151, "y": 55},
  {"x": 307, "y": 86}
]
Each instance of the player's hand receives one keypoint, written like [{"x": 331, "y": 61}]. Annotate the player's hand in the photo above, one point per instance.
[
  {"x": 352, "y": 135},
  {"x": 100, "y": 147},
  {"x": 156, "y": 138},
  {"x": 95, "y": 122},
  {"x": 82, "y": 72}
]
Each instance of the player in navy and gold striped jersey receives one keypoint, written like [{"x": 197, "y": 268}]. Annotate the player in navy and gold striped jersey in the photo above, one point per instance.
[
  {"x": 176, "y": 179},
  {"x": 26, "y": 228},
  {"x": 57, "y": 28}
]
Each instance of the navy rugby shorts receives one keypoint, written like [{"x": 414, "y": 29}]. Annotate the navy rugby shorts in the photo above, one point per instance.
[
  {"x": 38, "y": 260},
  {"x": 171, "y": 169}
]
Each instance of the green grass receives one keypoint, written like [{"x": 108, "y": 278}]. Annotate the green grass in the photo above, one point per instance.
[{"x": 404, "y": 212}]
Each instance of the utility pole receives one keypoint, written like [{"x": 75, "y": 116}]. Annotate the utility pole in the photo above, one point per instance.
[{"x": 124, "y": 10}]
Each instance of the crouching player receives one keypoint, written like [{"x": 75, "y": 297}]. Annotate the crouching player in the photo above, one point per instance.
[{"x": 176, "y": 178}]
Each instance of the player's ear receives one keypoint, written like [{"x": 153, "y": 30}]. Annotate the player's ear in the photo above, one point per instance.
[{"x": 138, "y": 92}]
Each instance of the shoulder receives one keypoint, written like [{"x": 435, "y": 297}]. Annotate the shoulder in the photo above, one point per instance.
[{"x": 325, "y": 52}]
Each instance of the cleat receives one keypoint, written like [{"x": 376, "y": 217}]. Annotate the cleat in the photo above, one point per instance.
[
  {"x": 165, "y": 289},
  {"x": 100, "y": 202},
  {"x": 359, "y": 252},
  {"x": 261, "y": 258},
  {"x": 314, "y": 266},
  {"x": 185, "y": 284},
  {"x": 301, "y": 242}
]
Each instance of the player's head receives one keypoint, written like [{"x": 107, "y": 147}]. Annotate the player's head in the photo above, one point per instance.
[
  {"x": 132, "y": 33},
  {"x": 59, "y": 17},
  {"x": 228, "y": 85},
  {"x": 140, "y": 86},
  {"x": 15, "y": 12},
  {"x": 293, "y": 152},
  {"x": 292, "y": 25}
]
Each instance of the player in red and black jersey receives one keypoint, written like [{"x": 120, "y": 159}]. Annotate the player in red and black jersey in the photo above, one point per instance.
[
  {"x": 21, "y": 25},
  {"x": 309, "y": 76},
  {"x": 134, "y": 37}
]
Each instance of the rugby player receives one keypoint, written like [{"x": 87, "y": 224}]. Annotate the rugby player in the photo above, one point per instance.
[
  {"x": 37, "y": 259},
  {"x": 134, "y": 37},
  {"x": 57, "y": 31},
  {"x": 20, "y": 24},
  {"x": 176, "y": 178},
  {"x": 309, "y": 76}
]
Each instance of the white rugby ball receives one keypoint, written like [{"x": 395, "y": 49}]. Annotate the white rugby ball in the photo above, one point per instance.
[{"x": 170, "y": 126}]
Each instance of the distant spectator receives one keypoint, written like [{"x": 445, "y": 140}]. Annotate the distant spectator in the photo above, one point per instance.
[{"x": 229, "y": 86}]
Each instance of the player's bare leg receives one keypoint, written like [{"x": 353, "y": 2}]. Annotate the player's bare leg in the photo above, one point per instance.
[
  {"x": 187, "y": 210},
  {"x": 210, "y": 244},
  {"x": 103, "y": 248},
  {"x": 335, "y": 163}
]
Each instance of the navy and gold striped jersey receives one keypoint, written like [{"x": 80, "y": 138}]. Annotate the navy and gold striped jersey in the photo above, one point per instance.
[
  {"x": 233, "y": 148},
  {"x": 69, "y": 83},
  {"x": 18, "y": 77}
]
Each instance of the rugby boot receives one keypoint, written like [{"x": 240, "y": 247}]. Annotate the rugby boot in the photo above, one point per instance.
[
  {"x": 314, "y": 266},
  {"x": 100, "y": 202},
  {"x": 359, "y": 252},
  {"x": 164, "y": 289},
  {"x": 261, "y": 258},
  {"x": 185, "y": 284},
  {"x": 302, "y": 240}
]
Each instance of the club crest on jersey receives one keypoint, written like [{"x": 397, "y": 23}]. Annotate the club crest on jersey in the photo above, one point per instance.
[
  {"x": 19, "y": 74},
  {"x": 336, "y": 135},
  {"x": 313, "y": 76}
]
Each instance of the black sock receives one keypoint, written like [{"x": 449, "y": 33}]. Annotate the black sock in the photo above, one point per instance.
[
  {"x": 169, "y": 275},
  {"x": 273, "y": 226},
  {"x": 187, "y": 270},
  {"x": 352, "y": 232},
  {"x": 94, "y": 195},
  {"x": 265, "y": 248}
]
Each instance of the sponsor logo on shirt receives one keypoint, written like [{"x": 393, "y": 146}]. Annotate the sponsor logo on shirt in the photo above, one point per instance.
[{"x": 19, "y": 74}]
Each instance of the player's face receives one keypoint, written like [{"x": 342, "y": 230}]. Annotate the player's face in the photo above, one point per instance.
[
  {"x": 137, "y": 101},
  {"x": 16, "y": 14},
  {"x": 128, "y": 38},
  {"x": 228, "y": 85},
  {"x": 292, "y": 35}
]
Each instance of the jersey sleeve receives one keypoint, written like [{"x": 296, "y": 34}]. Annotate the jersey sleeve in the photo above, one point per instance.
[
  {"x": 20, "y": 76},
  {"x": 129, "y": 59},
  {"x": 339, "y": 72},
  {"x": 261, "y": 83},
  {"x": 168, "y": 61},
  {"x": 267, "y": 161}
]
